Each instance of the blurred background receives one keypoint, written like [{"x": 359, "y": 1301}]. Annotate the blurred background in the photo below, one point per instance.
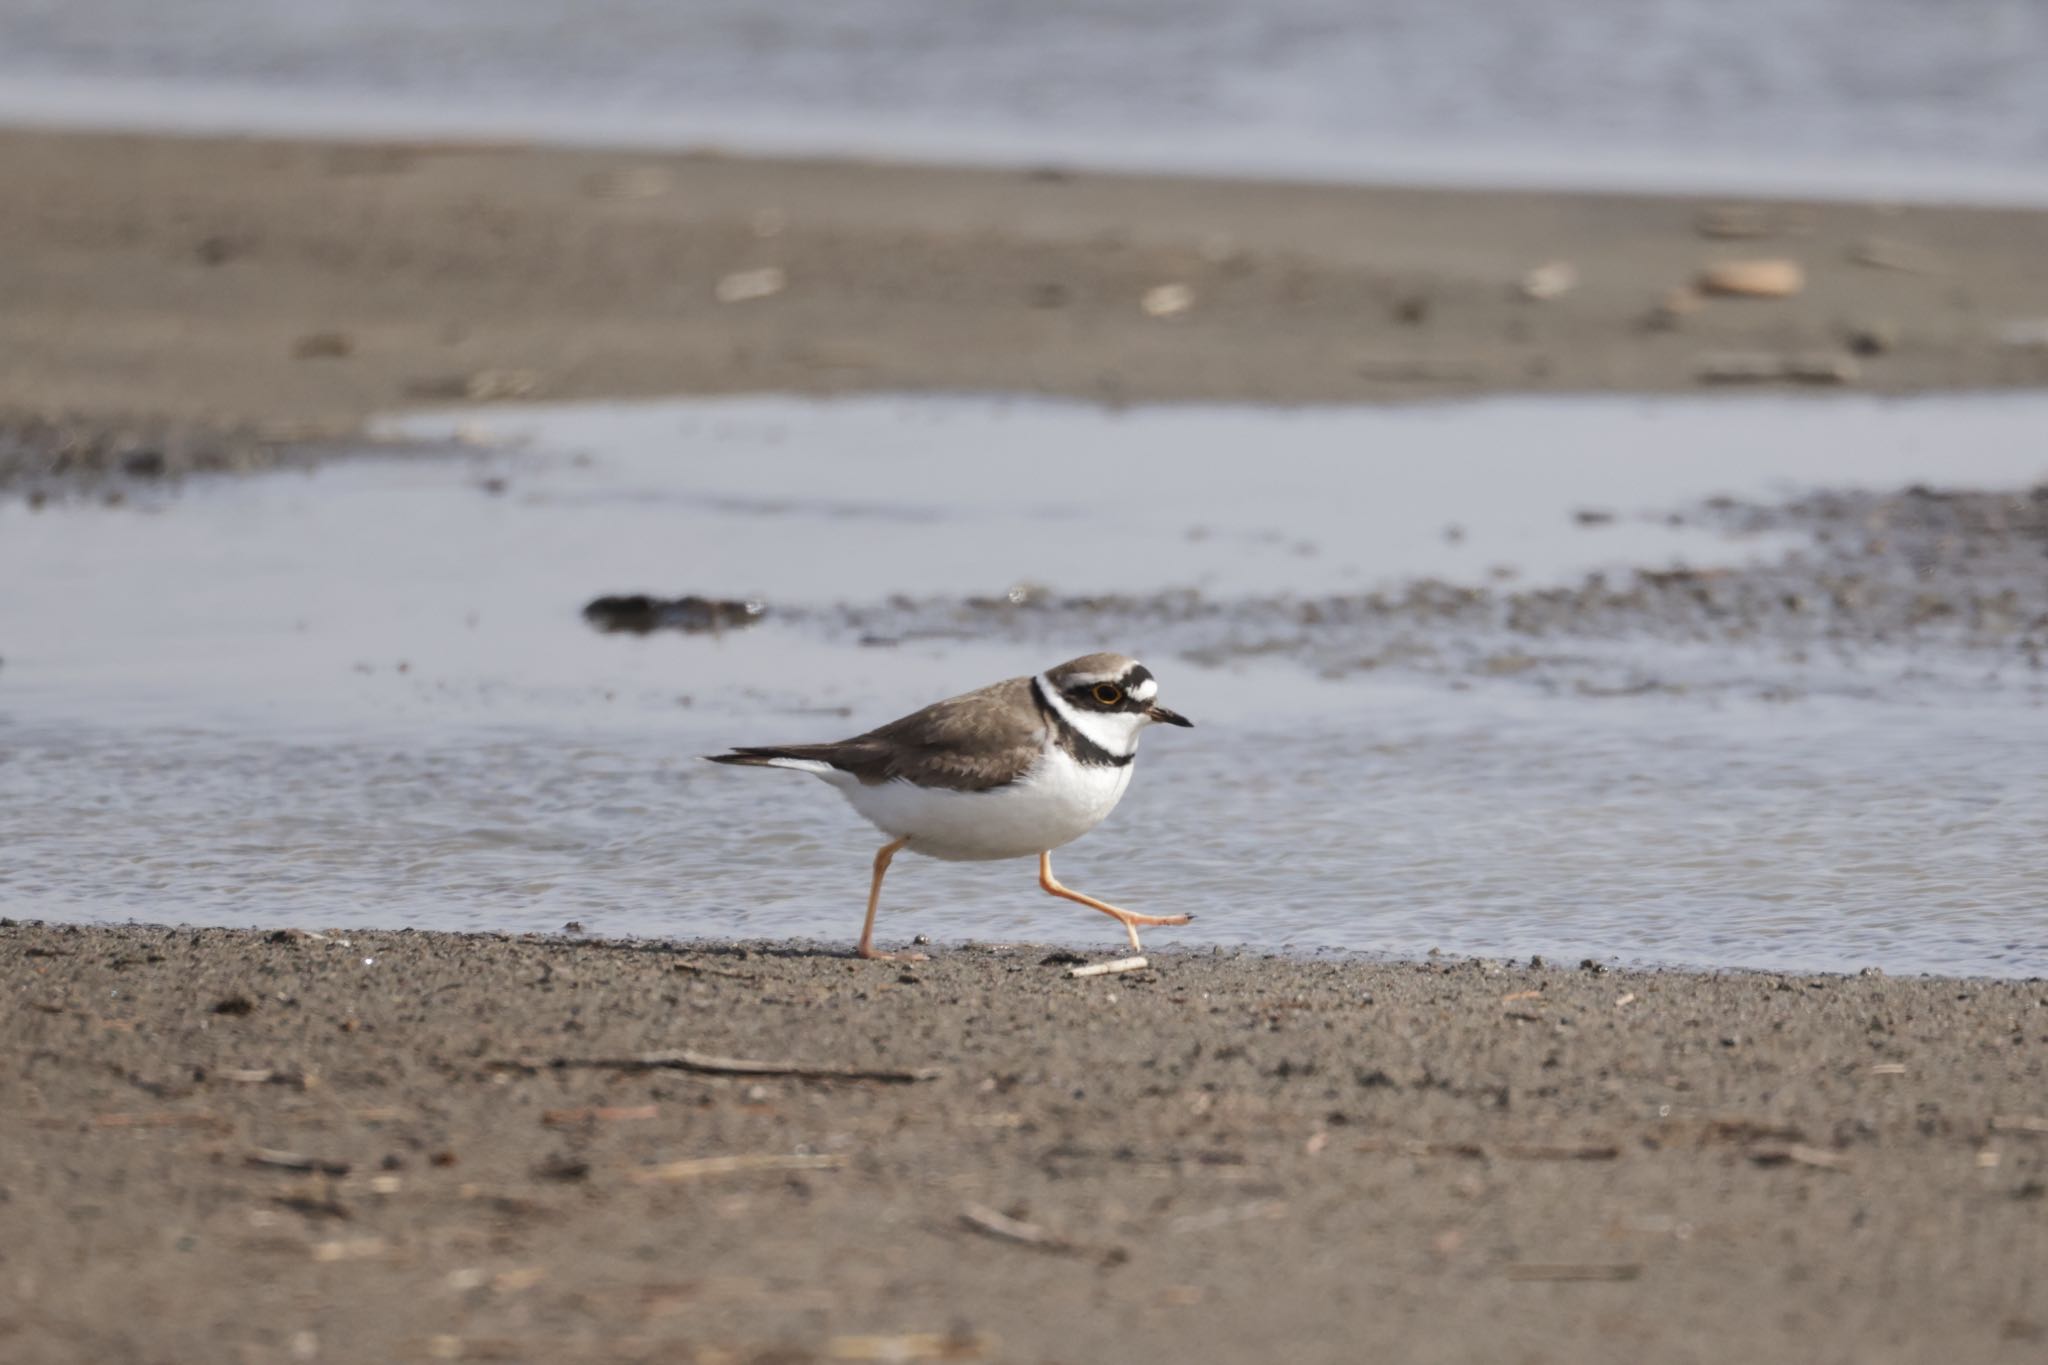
[{"x": 1870, "y": 96}]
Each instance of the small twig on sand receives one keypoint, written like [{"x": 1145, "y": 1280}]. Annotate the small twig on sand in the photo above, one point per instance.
[
  {"x": 313, "y": 1205},
  {"x": 1801, "y": 1154},
  {"x": 1472, "y": 1151},
  {"x": 1004, "y": 1228},
  {"x": 1415, "y": 1147},
  {"x": 696, "y": 1168},
  {"x": 2019, "y": 1123},
  {"x": 171, "y": 1120},
  {"x": 294, "y": 1161},
  {"x": 1122, "y": 964},
  {"x": 707, "y": 1064},
  {"x": 261, "y": 1076},
  {"x": 1568, "y": 1273},
  {"x": 557, "y": 1118},
  {"x": 1590, "y": 1151},
  {"x": 1749, "y": 1130}
]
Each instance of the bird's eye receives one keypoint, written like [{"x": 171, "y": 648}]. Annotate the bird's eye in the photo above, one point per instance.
[{"x": 1109, "y": 694}]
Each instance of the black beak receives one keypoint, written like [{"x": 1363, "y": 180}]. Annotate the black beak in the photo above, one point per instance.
[{"x": 1166, "y": 717}]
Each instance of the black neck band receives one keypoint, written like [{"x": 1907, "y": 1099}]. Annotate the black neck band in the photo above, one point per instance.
[{"x": 1082, "y": 749}]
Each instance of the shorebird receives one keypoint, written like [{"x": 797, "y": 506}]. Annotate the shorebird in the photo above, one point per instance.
[{"x": 1016, "y": 768}]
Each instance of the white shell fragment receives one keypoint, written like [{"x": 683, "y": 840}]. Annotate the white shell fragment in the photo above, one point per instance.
[
  {"x": 1111, "y": 968},
  {"x": 743, "y": 285},
  {"x": 1167, "y": 300},
  {"x": 1763, "y": 278},
  {"x": 1551, "y": 280}
]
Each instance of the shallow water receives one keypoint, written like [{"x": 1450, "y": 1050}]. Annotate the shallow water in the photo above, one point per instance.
[
  {"x": 1803, "y": 96},
  {"x": 362, "y": 695}
]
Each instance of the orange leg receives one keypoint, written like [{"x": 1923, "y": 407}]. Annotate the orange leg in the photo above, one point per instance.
[
  {"x": 867, "y": 929},
  {"x": 1129, "y": 918}
]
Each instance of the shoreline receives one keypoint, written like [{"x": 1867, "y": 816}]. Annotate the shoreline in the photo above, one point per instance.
[
  {"x": 302, "y": 287},
  {"x": 127, "y": 105},
  {"x": 498, "y": 1143},
  {"x": 1081, "y": 949}
]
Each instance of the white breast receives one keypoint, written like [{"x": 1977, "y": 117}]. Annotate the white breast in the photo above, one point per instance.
[{"x": 1058, "y": 801}]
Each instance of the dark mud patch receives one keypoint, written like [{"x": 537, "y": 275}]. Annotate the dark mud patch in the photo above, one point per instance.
[
  {"x": 641, "y": 614},
  {"x": 57, "y": 458},
  {"x": 1885, "y": 582}
]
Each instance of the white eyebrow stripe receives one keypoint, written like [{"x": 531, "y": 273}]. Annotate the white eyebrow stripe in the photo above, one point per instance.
[
  {"x": 1115, "y": 732},
  {"x": 1146, "y": 690},
  {"x": 1056, "y": 700}
]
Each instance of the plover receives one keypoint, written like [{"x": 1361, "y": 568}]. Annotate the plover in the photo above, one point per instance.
[{"x": 1016, "y": 768}]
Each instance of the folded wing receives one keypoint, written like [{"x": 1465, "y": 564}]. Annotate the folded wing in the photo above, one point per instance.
[{"x": 982, "y": 740}]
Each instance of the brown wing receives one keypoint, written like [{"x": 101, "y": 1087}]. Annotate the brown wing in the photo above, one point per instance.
[{"x": 967, "y": 743}]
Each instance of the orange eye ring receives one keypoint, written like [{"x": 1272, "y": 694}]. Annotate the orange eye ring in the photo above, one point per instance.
[{"x": 1108, "y": 694}]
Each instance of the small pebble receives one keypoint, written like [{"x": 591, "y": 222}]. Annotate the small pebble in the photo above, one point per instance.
[
  {"x": 742, "y": 285},
  {"x": 1167, "y": 300}
]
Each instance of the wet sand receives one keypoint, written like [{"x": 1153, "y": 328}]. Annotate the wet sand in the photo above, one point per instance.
[
  {"x": 398, "y": 1146},
  {"x": 158, "y": 286}
]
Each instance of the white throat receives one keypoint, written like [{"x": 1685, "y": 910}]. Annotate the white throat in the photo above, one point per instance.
[{"x": 1115, "y": 731}]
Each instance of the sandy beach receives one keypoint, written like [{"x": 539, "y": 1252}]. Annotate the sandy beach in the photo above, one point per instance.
[
  {"x": 374, "y": 1144},
  {"x": 411, "y": 1146},
  {"x": 171, "y": 292}
]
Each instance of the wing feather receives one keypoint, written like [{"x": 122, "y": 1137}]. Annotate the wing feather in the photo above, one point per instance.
[{"x": 982, "y": 739}]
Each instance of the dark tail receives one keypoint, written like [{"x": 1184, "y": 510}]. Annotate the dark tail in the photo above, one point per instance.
[{"x": 755, "y": 756}]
